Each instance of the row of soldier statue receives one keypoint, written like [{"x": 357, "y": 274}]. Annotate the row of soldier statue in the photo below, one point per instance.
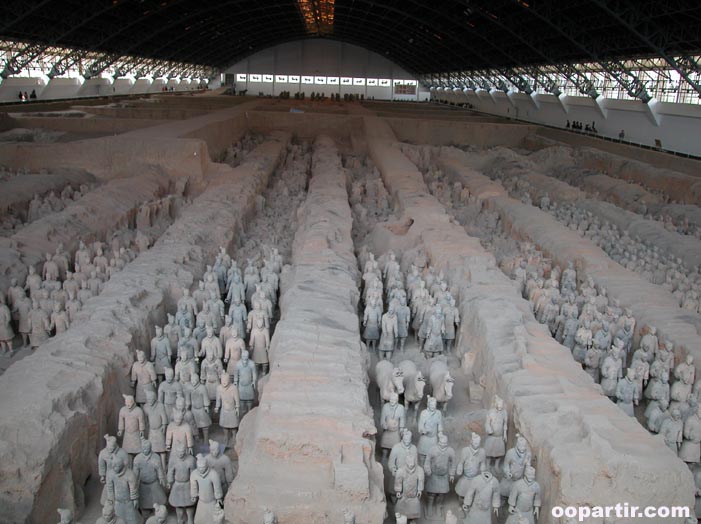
[
  {"x": 175, "y": 401},
  {"x": 602, "y": 337},
  {"x": 420, "y": 302}
]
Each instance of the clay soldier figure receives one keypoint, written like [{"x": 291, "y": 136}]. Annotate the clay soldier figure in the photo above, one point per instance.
[
  {"x": 649, "y": 343},
  {"x": 246, "y": 378},
  {"x": 690, "y": 451},
  {"x": 225, "y": 332},
  {"x": 256, "y": 313},
  {"x": 451, "y": 319},
  {"x": 408, "y": 486},
  {"x": 188, "y": 343},
  {"x": 483, "y": 498},
  {"x": 672, "y": 430},
  {"x": 157, "y": 418},
  {"x": 434, "y": 333},
  {"x": 189, "y": 302},
  {"x": 610, "y": 372},
  {"x": 33, "y": 282},
  {"x": 211, "y": 370},
  {"x": 168, "y": 392},
  {"x": 198, "y": 401},
  {"x": 525, "y": 496},
  {"x": 259, "y": 343},
  {"x": 84, "y": 293},
  {"x": 686, "y": 371},
  {"x": 23, "y": 307},
  {"x": 392, "y": 422},
  {"x": 430, "y": 425},
  {"x": 161, "y": 353},
  {"x": 239, "y": 316},
  {"x": 627, "y": 393},
  {"x": 372, "y": 317},
  {"x": 469, "y": 466},
  {"x": 172, "y": 332},
  {"x": 227, "y": 405},
  {"x": 592, "y": 361},
  {"x": 151, "y": 478},
  {"x": 38, "y": 325},
  {"x": 179, "y": 432},
  {"x": 184, "y": 317},
  {"x": 439, "y": 469},
  {"x": 109, "y": 516},
  {"x": 403, "y": 322},
  {"x": 450, "y": 517},
  {"x": 583, "y": 339},
  {"x": 515, "y": 462},
  {"x": 123, "y": 491},
  {"x": 59, "y": 322},
  {"x": 220, "y": 463},
  {"x": 185, "y": 366},
  {"x": 131, "y": 426},
  {"x": 389, "y": 333},
  {"x": 496, "y": 426},
  {"x": 50, "y": 271},
  {"x": 236, "y": 289},
  {"x": 143, "y": 377},
  {"x": 205, "y": 489},
  {"x": 180, "y": 467},
  {"x": 160, "y": 514},
  {"x": 400, "y": 452},
  {"x": 105, "y": 459},
  {"x": 6, "y": 331},
  {"x": 233, "y": 348},
  {"x": 269, "y": 517}
]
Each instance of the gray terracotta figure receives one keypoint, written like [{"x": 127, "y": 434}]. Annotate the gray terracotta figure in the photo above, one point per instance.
[
  {"x": 105, "y": 459},
  {"x": 185, "y": 366},
  {"x": 434, "y": 333},
  {"x": 429, "y": 426},
  {"x": 259, "y": 344},
  {"x": 372, "y": 318},
  {"x": 389, "y": 333},
  {"x": 157, "y": 418},
  {"x": 450, "y": 517},
  {"x": 23, "y": 308},
  {"x": 33, "y": 282},
  {"x": 109, "y": 516},
  {"x": 525, "y": 496},
  {"x": 168, "y": 392},
  {"x": 239, "y": 316},
  {"x": 672, "y": 430},
  {"x": 161, "y": 353},
  {"x": 7, "y": 334},
  {"x": 246, "y": 378},
  {"x": 189, "y": 302},
  {"x": 469, "y": 466},
  {"x": 143, "y": 377},
  {"x": 38, "y": 325},
  {"x": 515, "y": 462},
  {"x": 269, "y": 517},
  {"x": 392, "y": 422},
  {"x": 205, "y": 489},
  {"x": 198, "y": 401},
  {"x": 160, "y": 514},
  {"x": 228, "y": 406},
  {"x": 220, "y": 463},
  {"x": 179, "y": 433},
  {"x": 611, "y": 372},
  {"x": 439, "y": 469},
  {"x": 180, "y": 467},
  {"x": 123, "y": 491},
  {"x": 210, "y": 371},
  {"x": 400, "y": 452},
  {"x": 690, "y": 450},
  {"x": 218, "y": 515},
  {"x": 483, "y": 498},
  {"x": 496, "y": 426},
  {"x": 627, "y": 393},
  {"x": 451, "y": 320},
  {"x": 58, "y": 321},
  {"x": 408, "y": 487},
  {"x": 403, "y": 322},
  {"x": 233, "y": 348},
  {"x": 131, "y": 425},
  {"x": 151, "y": 476}
]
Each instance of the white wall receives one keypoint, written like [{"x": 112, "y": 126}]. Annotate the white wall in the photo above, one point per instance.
[
  {"x": 677, "y": 126},
  {"x": 10, "y": 87},
  {"x": 322, "y": 57},
  {"x": 61, "y": 88},
  {"x": 96, "y": 87}
]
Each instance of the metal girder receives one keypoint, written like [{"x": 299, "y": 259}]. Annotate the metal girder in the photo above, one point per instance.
[
  {"x": 68, "y": 60},
  {"x": 20, "y": 59},
  {"x": 642, "y": 27}
]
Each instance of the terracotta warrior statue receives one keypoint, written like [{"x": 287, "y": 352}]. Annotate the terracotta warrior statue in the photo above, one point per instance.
[
  {"x": 198, "y": 401},
  {"x": 151, "y": 476},
  {"x": 220, "y": 463},
  {"x": 131, "y": 426},
  {"x": 228, "y": 406},
  {"x": 525, "y": 496},
  {"x": 123, "y": 492},
  {"x": 143, "y": 377},
  {"x": 439, "y": 469},
  {"x": 389, "y": 333},
  {"x": 246, "y": 378},
  {"x": 496, "y": 426},
  {"x": 408, "y": 487},
  {"x": 160, "y": 514},
  {"x": 161, "y": 353},
  {"x": 205, "y": 488},
  {"x": 469, "y": 466},
  {"x": 180, "y": 467},
  {"x": 393, "y": 422},
  {"x": 168, "y": 392},
  {"x": 483, "y": 498},
  {"x": 400, "y": 452},
  {"x": 109, "y": 516},
  {"x": 105, "y": 459},
  {"x": 430, "y": 425}
]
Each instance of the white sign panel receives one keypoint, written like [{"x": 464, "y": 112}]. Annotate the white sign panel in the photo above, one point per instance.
[
  {"x": 372, "y": 81},
  {"x": 358, "y": 81},
  {"x": 320, "y": 80},
  {"x": 294, "y": 79},
  {"x": 268, "y": 79},
  {"x": 384, "y": 82},
  {"x": 307, "y": 79},
  {"x": 255, "y": 78},
  {"x": 346, "y": 81},
  {"x": 332, "y": 80},
  {"x": 281, "y": 79},
  {"x": 241, "y": 77}
]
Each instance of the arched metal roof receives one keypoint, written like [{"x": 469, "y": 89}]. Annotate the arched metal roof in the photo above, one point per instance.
[{"x": 422, "y": 36}]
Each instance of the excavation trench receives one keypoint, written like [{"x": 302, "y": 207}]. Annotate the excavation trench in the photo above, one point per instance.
[
  {"x": 517, "y": 359},
  {"x": 58, "y": 403},
  {"x": 306, "y": 451}
]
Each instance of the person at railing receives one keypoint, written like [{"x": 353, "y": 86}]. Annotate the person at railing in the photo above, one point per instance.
[{"x": 622, "y": 135}]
